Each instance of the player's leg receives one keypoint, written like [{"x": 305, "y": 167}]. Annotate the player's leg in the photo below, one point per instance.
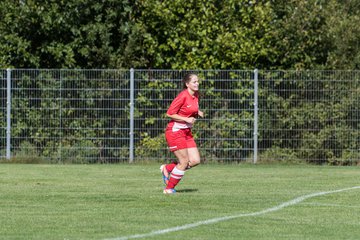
[
  {"x": 193, "y": 152},
  {"x": 183, "y": 159},
  {"x": 165, "y": 173},
  {"x": 166, "y": 169},
  {"x": 194, "y": 157},
  {"x": 179, "y": 171},
  {"x": 172, "y": 142}
]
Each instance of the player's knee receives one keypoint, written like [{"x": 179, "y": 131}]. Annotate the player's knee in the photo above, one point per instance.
[
  {"x": 182, "y": 165},
  {"x": 194, "y": 161}
]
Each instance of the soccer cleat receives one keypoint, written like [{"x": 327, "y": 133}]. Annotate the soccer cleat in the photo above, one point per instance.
[
  {"x": 169, "y": 191},
  {"x": 165, "y": 174}
]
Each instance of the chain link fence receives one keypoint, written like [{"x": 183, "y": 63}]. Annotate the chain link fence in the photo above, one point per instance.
[
  {"x": 109, "y": 116},
  {"x": 310, "y": 115}
]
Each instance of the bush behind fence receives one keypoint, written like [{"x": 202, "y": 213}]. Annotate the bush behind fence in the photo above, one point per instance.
[{"x": 108, "y": 116}]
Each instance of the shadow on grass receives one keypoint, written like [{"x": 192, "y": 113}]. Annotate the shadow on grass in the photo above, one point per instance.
[{"x": 187, "y": 190}]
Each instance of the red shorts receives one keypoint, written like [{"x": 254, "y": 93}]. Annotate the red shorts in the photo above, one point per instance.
[{"x": 180, "y": 139}]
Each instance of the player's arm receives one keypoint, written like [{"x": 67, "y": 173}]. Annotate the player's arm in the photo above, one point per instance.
[{"x": 177, "y": 117}]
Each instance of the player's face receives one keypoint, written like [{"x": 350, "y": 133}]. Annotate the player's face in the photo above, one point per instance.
[{"x": 193, "y": 85}]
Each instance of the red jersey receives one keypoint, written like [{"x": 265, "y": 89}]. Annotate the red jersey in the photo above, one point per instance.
[{"x": 184, "y": 105}]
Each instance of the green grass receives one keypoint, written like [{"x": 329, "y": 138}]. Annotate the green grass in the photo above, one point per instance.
[{"x": 113, "y": 201}]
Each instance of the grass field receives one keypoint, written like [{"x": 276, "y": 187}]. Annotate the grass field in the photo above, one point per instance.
[{"x": 220, "y": 201}]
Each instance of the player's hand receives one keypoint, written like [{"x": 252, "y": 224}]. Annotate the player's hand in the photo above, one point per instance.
[
  {"x": 200, "y": 114},
  {"x": 191, "y": 120}
]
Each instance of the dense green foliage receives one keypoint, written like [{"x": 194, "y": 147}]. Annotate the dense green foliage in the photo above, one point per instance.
[
  {"x": 66, "y": 34},
  {"x": 206, "y": 34},
  {"x": 316, "y": 34},
  {"x": 192, "y": 34}
]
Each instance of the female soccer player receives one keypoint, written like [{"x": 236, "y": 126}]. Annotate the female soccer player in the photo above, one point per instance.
[{"x": 183, "y": 112}]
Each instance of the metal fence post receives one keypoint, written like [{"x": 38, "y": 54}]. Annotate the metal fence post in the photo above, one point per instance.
[
  {"x": 256, "y": 75},
  {"x": 8, "y": 113},
  {"x": 131, "y": 133},
  {"x": 60, "y": 116}
]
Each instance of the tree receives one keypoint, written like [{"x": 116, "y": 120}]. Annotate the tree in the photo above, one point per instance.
[
  {"x": 202, "y": 34},
  {"x": 343, "y": 34},
  {"x": 68, "y": 34},
  {"x": 298, "y": 34},
  {"x": 316, "y": 34}
]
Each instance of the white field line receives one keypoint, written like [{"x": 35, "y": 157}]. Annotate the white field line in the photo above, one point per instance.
[{"x": 221, "y": 219}]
